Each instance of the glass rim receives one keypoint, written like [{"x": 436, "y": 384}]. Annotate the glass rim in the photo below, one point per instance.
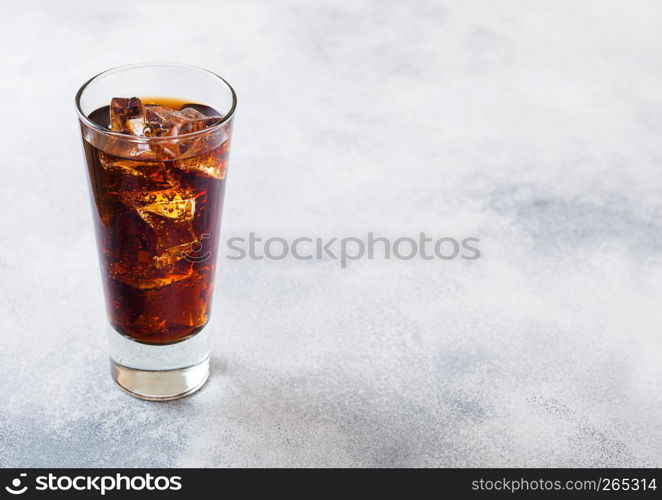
[{"x": 134, "y": 138}]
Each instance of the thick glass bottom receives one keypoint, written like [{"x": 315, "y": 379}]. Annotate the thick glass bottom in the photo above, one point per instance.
[
  {"x": 160, "y": 385},
  {"x": 159, "y": 372}
]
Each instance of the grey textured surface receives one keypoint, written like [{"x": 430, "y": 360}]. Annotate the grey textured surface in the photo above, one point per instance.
[{"x": 535, "y": 126}]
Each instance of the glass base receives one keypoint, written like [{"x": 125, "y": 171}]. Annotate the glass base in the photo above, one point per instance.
[
  {"x": 160, "y": 385},
  {"x": 159, "y": 372}
]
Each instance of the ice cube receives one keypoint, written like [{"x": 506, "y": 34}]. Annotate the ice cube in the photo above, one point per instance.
[
  {"x": 163, "y": 121},
  {"x": 170, "y": 215},
  {"x": 173, "y": 254},
  {"x": 127, "y": 115},
  {"x": 212, "y": 164},
  {"x": 145, "y": 276},
  {"x": 143, "y": 169},
  {"x": 200, "y": 119},
  {"x": 173, "y": 238},
  {"x": 172, "y": 204},
  {"x": 122, "y": 175},
  {"x": 126, "y": 149}
]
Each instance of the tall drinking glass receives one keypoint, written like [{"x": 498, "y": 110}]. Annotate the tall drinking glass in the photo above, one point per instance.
[{"x": 157, "y": 190}]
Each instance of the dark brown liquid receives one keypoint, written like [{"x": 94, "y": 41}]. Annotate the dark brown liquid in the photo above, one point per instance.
[{"x": 157, "y": 224}]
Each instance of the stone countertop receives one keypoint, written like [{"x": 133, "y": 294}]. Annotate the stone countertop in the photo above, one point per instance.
[{"x": 533, "y": 127}]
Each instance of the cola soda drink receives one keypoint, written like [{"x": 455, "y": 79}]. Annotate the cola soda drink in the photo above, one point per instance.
[{"x": 157, "y": 181}]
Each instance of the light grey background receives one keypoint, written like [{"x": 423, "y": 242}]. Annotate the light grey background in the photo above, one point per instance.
[{"x": 535, "y": 126}]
